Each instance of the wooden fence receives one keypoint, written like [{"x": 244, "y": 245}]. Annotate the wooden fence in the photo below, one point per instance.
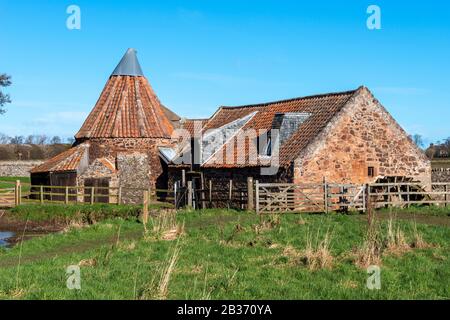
[
  {"x": 326, "y": 197},
  {"x": 211, "y": 196},
  {"x": 83, "y": 194},
  {"x": 264, "y": 197}
]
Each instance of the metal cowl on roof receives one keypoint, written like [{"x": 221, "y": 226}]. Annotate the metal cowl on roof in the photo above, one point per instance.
[{"x": 129, "y": 65}]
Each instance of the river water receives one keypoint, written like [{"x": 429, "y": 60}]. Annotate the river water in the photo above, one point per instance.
[{"x": 3, "y": 236}]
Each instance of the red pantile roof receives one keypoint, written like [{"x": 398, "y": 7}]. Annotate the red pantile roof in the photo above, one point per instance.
[
  {"x": 190, "y": 125},
  {"x": 127, "y": 108},
  {"x": 322, "y": 108},
  {"x": 66, "y": 161}
]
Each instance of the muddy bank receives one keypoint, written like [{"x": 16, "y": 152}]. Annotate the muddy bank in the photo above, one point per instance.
[{"x": 19, "y": 228}]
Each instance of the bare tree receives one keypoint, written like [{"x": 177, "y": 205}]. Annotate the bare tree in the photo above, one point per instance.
[
  {"x": 55, "y": 140},
  {"x": 4, "y": 139},
  {"x": 5, "y": 81},
  {"x": 29, "y": 139},
  {"x": 418, "y": 140},
  {"x": 17, "y": 140},
  {"x": 41, "y": 139}
]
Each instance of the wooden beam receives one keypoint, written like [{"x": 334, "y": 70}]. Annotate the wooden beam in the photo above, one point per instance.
[
  {"x": 145, "y": 208},
  {"x": 257, "y": 196},
  {"x": 250, "y": 205},
  {"x": 189, "y": 191}
]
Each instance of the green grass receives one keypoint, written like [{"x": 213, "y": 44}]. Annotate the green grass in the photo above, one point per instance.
[
  {"x": 440, "y": 163},
  {"x": 14, "y": 179},
  {"x": 6, "y": 185},
  {"x": 10, "y": 182},
  {"x": 80, "y": 212},
  {"x": 223, "y": 257},
  {"x": 420, "y": 210}
]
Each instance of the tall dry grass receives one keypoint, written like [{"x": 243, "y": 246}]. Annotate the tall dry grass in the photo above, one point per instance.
[
  {"x": 164, "y": 226},
  {"x": 317, "y": 254},
  {"x": 395, "y": 238},
  {"x": 369, "y": 253},
  {"x": 158, "y": 287}
]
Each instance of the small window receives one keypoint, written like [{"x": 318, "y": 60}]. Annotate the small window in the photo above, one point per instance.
[
  {"x": 264, "y": 149},
  {"x": 371, "y": 172}
]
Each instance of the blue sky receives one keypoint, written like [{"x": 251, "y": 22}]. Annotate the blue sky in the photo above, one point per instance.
[{"x": 201, "y": 54}]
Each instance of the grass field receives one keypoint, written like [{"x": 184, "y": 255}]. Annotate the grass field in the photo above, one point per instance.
[
  {"x": 218, "y": 254},
  {"x": 25, "y": 180},
  {"x": 10, "y": 182},
  {"x": 440, "y": 163}
]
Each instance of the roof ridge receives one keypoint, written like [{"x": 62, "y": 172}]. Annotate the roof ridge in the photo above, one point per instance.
[{"x": 265, "y": 104}]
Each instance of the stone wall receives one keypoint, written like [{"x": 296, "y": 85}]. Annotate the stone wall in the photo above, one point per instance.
[
  {"x": 134, "y": 172},
  {"x": 441, "y": 175},
  {"x": 363, "y": 135},
  {"x": 110, "y": 148},
  {"x": 17, "y": 168},
  {"x": 97, "y": 170}
]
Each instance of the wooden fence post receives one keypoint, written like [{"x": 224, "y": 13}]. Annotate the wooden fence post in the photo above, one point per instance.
[
  {"x": 66, "y": 198},
  {"x": 230, "y": 193},
  {"x": 446, "y": 195},
  {"x": 189, "y": 191},
  {"x": 365, "y": 192},
  {"x": 408, "y": 189},
  {"x": 175, "y": 194},
  {"x": 119, "y": 196},
  {"x": 210, "y": 193},
  {"x": 202, "y": 194},
  {"x": 183, "y": 178},
  {"x": 150, "y": 196},
  {"x": 250, "y": 194},
  {"x": 41, "y": 194},
  {"x": 145, "y": 208},
  {"x": 257, "y": 196},
  {"x": 92, "y": 195},
  {"x": 17, "y": 193},
  {"x": 325, "y": 194}
]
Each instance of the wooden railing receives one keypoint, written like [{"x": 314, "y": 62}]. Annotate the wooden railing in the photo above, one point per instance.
[
  {"x": 408, "y": 193},
  {"x": 264, "y": 197},
  {"x": 82, "y": 194},
  {"x": 326, "y": 197}
]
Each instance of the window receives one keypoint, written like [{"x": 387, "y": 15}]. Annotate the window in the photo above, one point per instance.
[
  {"x": 371, "y": 172},
  {"x": 264, "y": 148}
]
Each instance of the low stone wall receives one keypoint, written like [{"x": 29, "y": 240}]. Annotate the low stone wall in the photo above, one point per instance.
[
  {"x": 440, "y": 175},
  {"x": 17, "y": 168}
]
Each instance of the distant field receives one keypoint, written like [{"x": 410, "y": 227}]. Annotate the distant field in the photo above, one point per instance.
[
  {"x": 10, "y": 182},
  {"x": 14, "y": 179},
  {"x": 440, "y": 163}
]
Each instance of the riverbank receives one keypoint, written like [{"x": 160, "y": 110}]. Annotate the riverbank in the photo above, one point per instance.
[{"x": 26, "y": 229}]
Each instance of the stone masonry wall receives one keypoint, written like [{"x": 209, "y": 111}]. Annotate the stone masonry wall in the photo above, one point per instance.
[
  {"x": 134, "y": 172},
  {"x": 363, "y": 135},
  {"x": 98, "y": 170},
  {"x": 110, "y": 148},
  {"x": 17, "y": 168},
  {"x": 441, "y": 175}
]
